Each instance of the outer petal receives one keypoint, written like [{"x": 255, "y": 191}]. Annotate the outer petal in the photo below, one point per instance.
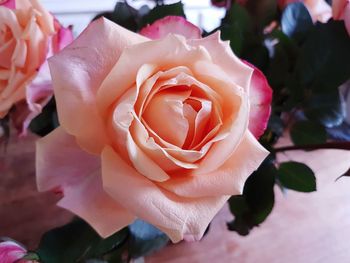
[
  {"x": 177, "y": 217},
  {"x": 56, "y": 166},
  {"x": 338, "y": 7},
  {"x": 223, "y": 56},
  {"x": 347, "y": 17},
  {"x": 62, "y": 39},
  {"x": 8, "y": 3},
  {"x": 260, "y": 98},
  {"x": 11, "y": 252},
  {"x": 171, "y": 24},
  {"x": 78, "y": 72},
  {"x": 229, "y": 179}
]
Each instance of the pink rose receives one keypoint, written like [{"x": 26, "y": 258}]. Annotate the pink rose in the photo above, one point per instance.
[
  {"x": 341, "y": 11},
  {"x": 11, "y": 252},
  {"x": 318, "y": 9},
  {"x": 151, "y": 129},
  {"x": 28, "y": 36}
]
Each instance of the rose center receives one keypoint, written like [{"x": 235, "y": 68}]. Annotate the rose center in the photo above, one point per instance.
[{"x": 176, "y": 115}]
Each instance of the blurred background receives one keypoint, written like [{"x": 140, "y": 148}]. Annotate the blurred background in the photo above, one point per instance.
[{"x": 80, "y": 12}]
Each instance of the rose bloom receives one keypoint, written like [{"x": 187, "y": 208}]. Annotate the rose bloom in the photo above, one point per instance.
[
  {"x": 319, "y": 10},
  {"x": 28, "y": 35},
  {"x": 152, "y": 129},
  {"x": 11, "y": 252},
  {"x": 341, "y": 11}
]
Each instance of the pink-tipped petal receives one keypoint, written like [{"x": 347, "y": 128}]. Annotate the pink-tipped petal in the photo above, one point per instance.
[
  {"x": 171, "y": 25},
  {"x": 347, "y": 17},
  {"x": 260, "y": 102},
  {"x": 62, "y": 39},
  {"x": 61, "y": 164},
  {"x": 8, "y": 3},
  {"x": 77, "y": 74},
  {"x": 11, "y": 252},
  {"x": 222, "y": 55},
  {"x": 338, "y": 7},
  {"x": 176, "y": 216}
]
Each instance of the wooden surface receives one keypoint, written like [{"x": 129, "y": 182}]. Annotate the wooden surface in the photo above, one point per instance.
[{"x": 302, "y": 228}]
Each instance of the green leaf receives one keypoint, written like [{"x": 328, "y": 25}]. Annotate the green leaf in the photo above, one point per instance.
[
  {"x": 263, "y": 12},
  {"x": 236, "y": 27},
  {"x": 326, "y": 108},
  {"x": 256, "y": 203},
  {"x": 324, "y": 60},
  {"x": 308, "y": 132},
  {"x": 296, "y": 21},
  {"x": 238, "y": 15},
  {"x": 145, "y": 239},
  {"x": 76, "y": 241},
  {"x": 297, "y": 176},
  {"x": 46, "y": 121},
  {"x": 235, "y": 35},
  {"x": 162, "y": 11}
]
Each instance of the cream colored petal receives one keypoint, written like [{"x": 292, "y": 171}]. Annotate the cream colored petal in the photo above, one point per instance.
[
  {"x": 78, "y": 72},
  {"x": 165, "y": 115},
  {"x": 228, "y": 179},
  {"x": 178, "y": 217},
  {"x": 172, "y": 51},
  {"x": 62, "y": 165},
  {"x": 222, "y": 55},
  {"x": 122, "y": 119}
]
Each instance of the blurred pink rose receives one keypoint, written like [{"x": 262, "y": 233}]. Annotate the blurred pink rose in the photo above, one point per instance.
[
  {"x": 341, "y": 11},
  {"x": 28, "y": 36},
  {"x": 151, "y": 129},
  {"x": 11, "y": 252},
  {"x": 319, "y": 10}
]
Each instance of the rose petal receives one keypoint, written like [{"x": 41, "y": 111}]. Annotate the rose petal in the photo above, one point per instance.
[
  {"x": 177, "y": 217},
  {"x": 122, "y": 119},
  {"x": 229, "y": 179},
  {"x": 11, "y": 252},
  {"x": 338, "y": 7},
  {"x": 88, "y": 200},
  {"x": 8, "y": 3},
  {"x": 56, "y": 166},
  {"x": 168, "y": 103},
  {"x": 222, "y": 55},
  {"x": 77, "y": 74},
  {"x": 347, "y": 17},
  {"x": 260, "y": 98},
  {"x": 57, "y": 157},
  {"x": 171, "y": 51},
  {"x": 171, "y": 25},
  {"x": 62, "y": 39}
]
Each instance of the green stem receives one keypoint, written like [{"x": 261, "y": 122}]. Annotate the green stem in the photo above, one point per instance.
[{"x": 312, "y": 147}]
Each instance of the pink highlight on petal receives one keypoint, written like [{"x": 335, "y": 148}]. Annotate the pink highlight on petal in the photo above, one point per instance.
[
  {"x": 347, "y": 18},
  {"x": 260, "y": 102},
  {"x": 171, "y": 25},
  {"x": 8, "y": 3},
  {"x": 11, "y": 252},
  {"x": 63, "y": 38},
  {"x": 341, "y": 11}
]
